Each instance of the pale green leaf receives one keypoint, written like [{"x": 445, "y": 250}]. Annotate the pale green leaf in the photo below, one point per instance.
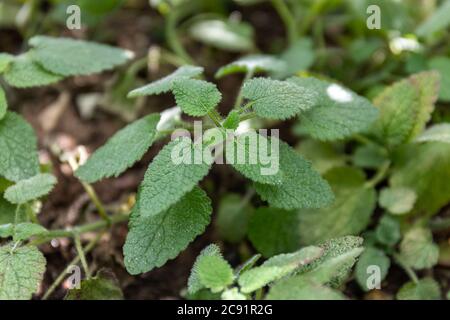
[
  {"x": 123, "y": 150},
  {"x": 7, "y": 211},
  {"x": 194, "y": 282},
  {"x": 349, "y": 214},
  {"x": 30, "y": 189},
  {"x": 296, "y": 288},
  {"x": 5, "y": 60},
  {"x": 438, "y": 21},
  {"x": 154, "y": 240},
  {"x": 442, "y": 65},
  {"x": 273, "y": 99},
  {"x": 214, "y": 272},
  {"x": 388, "y": 231},
  {"x": 337, "y": 112},
  {"x": 369, "y": 156},
  {"x": 397, "y": 200},
  {"x": 167, "y": 180},
  {"x": 21, "y": 272},
  {"x": 3, "y": 103},
  {"x": 323, "y": 155},
  {"x": 252, "y": 64},
  {"x": 70, "y": 57},
  {"x": 298, "y": 57},
  {"x": 233, "y": 294},
  {"x": 21, "y": 231},
  {"x": 371, "y": 257},
  {"x": 417, "y": 249},
  {"x": 196, "y": 97},
  {"x": 276, "y": 268},
  {"x": 103, "y": 286},
  {"x": 232, "y": 121},
  {"x": 166, "y": 84},
  {"x": 18, "y": 149},
  {"x": 425, "y": 289},
  {"x": 24, "y": 72},
  {"x": 302, "y": 187},
  {"x": 437, "y": 133},
  {"x": 273, "y": 231}
]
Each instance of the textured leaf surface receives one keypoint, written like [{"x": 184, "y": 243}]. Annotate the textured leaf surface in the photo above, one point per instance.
[
  {"x": 3, "y": 103},
  {"x": 30, "y": 189},
  {"x": 123, "y": 150},
  {"x": 298, "y": 289},
  {"x": 425, "y": 289},
  {"x": 437, "y": 133},
  {"x": 214, "y": 272},
  {"x": 273, "y": 231},
  {"x": 24, "y": 72},
  {"x": 337, "y": 113},
  {"x": 103, "y": 286},
  {"x": 405, "y": 108},
  {"x": 273, "y": 99},
  {"x": 232, "y": 121},
  {"x": 21, "y": 272},
  {"x": 371, "y": 257},
  {"x": 302, "y": 186},
  {"x": 18, "y": 149},
  {"x": 21, "y": 231},
  {"x": 397, "y": 200},
  {"x": 165, "y": 84},
  {"x": 276, "y": 268},
  {"x": 419, "y": 166},
  {"x": 70, "y": 57},
  {"x": 194, "y": 282},
  {"x": 252, "y": 64},
  {"x": 418, "y": 250},
  {"x": 5, "y": 60},
  {"x": 7, "y": 211},
  {"x": 153, "y": 240},
  {"x": 196, "y": 97},
  {"x": 388, "y": 230},
  {"x": 348, "y": 215},
  {"x": 442, "y": 65},
  {"x": 166, "y": 181}
]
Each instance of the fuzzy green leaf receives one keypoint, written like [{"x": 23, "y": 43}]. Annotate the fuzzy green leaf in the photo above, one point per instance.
[
  {"x": 442, "y": 65},
  {"x": 302, "y": 187},
  {"x": 194, "y": 282},
  {"x": 369, "y": 157},
  {"x": 348, "y": 215},
  {"x": 405, "y": 108},
  {"x": 337, "y": 113},
  {"x": 70, "y": 57},
  {"x": 298, "y": 289},
  {"x": 425, "y": 289},
  {"x": 21, "y": 272},
  {"x": 7, "y": 211},
  {"x": 252, "y": 64},
  {"x": 166, "y": 84},
  {"x": 298, "y": 57},
  {"x": 18, "y": 149},
  {"x": 123, "y": 150},
  {"x": 3, "y": 103},
  {"x": 103, "y": 286},
  {"x": 154, "y": 240},
  {"x": 24, "y": 72},
  {"x": 274, "y": 231},
  {"x": 30, "y": 189},
  {"x": 21, "y": 231},
  {"x": 397, "y": 200},
  {"x": 166, "y": 180},
  {"x": 196, "y": 97},
  {"x": 273, "y": 99},
  {"x": 5, "y": 60},
  {"x": 418, "y": 250},
  {"x": 276, "y": 268},
  {"x": 388, "y": 231},
  {"x": 214, "y": 272},
  {"x": 371, "y": 257},
  {"x": 437, "y": 133},
  {"x": 232, "y": 121}
]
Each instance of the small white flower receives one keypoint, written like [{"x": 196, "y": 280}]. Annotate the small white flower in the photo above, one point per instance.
[{"x": 339, "y": 94}]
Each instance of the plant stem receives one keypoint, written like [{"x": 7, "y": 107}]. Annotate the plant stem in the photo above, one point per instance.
[
  {"x": 379, "y": 176},
  {"x": 410, "y": 272},
  {"x": 172, "y": 36},
  {"x": 247, "y": 116},
  {"x": 215, "y": 117},
  {"x": 240, "y": 96},
  {"x": 288, "y": 20},
  {"x": 96, "y": 200},
  {"x": 82, "y": 256}
]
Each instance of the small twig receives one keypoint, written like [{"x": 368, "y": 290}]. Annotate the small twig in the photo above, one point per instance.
[
  {"x": 97, "y": 202},
  {"x": 82, "y": 255}
]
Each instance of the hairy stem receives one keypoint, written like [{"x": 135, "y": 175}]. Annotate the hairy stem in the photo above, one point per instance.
[{"x": 240, "y": 96}]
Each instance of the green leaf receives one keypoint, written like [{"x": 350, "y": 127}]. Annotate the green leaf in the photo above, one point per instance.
[
  {"x": 223, "y": 34},
  {"x": 371, "y": 257},
  {"x": 274, "y": 231},
  {"x": 397, "y": 200},
  {"x": 280, "y": 100},
  {"x": 302, "y": 187},
  {"x": 3, "y": 103},
  {"x": 103, "y": 286},
  {"x": 196, "y": 97},
  {"x": 123, "y": 150},
  {"x": 388, "y": 231},
  {"x": 296, "y": 288},
  {"x": 348, "y": 215},
  {"x": 166, "y": 84},
  {"x": 30, "y": 189},
  {"x": 214, "y": 272},
  {"x": 255, "y": 157},
  {"x": 276, "y": 268},
  {"x": 21, "y": 231},
  {"x": 18, "y": 149},
  {"x": 438, "y": 21},
  {"x": 232, "y": 218},
  {"x": 154, "y": 240},
  {"x": 425, "y": 289},
  {"x": 232, "y": 121},
  {"x": 7, "y": 211},
  {"x": 194, "y": 282},
  {"x": 417, "y": 249},
  {"x": 21, "y": 271},
  {"x": 419, "y": 166},
  {"x": 369, "y": 156},
  {"x": 298, "y": 57},
  {"x": 70, "y": 57},
  {"x": 337, "y": 112},
  {"x": 24, "y": 72},
  {"x": 442, "y": 65},
  {"x": 252, "y": 64},
  {"x": 233, "y": 294},
  {"x": 323, "y": 155},
  {"x": 436, "y": 133},
  {"x": 5, "y": 61},
  {"x": 405, "y": 108},
  {"x": 167, "y": 180}
]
